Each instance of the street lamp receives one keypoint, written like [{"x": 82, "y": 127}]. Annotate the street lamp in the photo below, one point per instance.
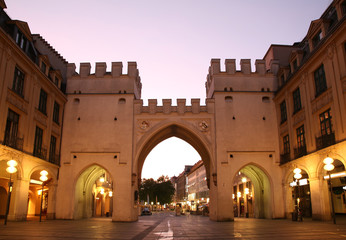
[
  {"x": 297, "y": 176},
  {"x": 43, "y": 178},
  {"x": 328, "y": 161},
  {"x": 11, "y": 169}
]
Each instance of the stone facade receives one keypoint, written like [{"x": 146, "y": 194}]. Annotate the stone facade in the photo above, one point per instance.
[{"x": 253, "y": 122}]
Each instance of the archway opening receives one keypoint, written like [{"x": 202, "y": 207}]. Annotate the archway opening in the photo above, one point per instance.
[
  {"x": 38, "y": 195},
  {"x": 338, "y": 186},
  {"x": 299, "y": 202},
  {"x": 187, "y": 196},
  {"x": 4, "y": 186},
  {"x": 94, "y": 193},
  {"x": 252, "y": 193}
]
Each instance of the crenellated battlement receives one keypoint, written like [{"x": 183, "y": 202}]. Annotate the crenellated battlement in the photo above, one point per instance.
[
  {"x": 245, "y": 67},
  {"x": 245, "y": 80},
  {"x": 102, "y": 81},
  {"x": 100, "y": 70},
  {"x": 167, "y": 107}
]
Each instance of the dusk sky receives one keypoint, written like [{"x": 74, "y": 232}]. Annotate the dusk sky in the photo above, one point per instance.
[{"x": 171, "y": 41}]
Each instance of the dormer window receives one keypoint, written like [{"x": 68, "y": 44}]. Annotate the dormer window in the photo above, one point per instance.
[
  {"x": 56, "y": 81},
  {"x": 316, "y": 39},
  {"x": 332, "y": 18},
  {"x": 21, "y": 40}
]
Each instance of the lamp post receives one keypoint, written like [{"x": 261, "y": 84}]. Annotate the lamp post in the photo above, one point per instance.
[
  {"x": 328, "y": 161},
  {"x": 43, "y": 178},
  {"x": 11, "y": 169},
  {"x": 297, "y": 176}
]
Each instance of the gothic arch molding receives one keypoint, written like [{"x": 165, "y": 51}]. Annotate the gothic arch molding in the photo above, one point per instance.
[{"x": 169, "y": 129}]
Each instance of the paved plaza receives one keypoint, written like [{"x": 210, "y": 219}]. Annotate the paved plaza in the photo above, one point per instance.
[{"x": 167, "y": 226}]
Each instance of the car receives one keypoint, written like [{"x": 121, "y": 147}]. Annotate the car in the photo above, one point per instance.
[{"x": 146, "y": 211}]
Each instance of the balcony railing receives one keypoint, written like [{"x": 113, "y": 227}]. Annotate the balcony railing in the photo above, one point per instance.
[
  {"x": 299, "y": 152},
  {"x": 13, "y": 142},
  {"x": 284, "y": 158},
  {"x": 325, "y": 141},
  {"x": 41, "y": 153},
  {"x": 55, "y": 159}
]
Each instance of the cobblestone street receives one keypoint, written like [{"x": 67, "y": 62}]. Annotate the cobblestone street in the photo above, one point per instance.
[{"x": 168, "y": 226}]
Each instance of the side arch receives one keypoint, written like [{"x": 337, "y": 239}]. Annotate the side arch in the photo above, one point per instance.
[{"x": 263, "y": 193}]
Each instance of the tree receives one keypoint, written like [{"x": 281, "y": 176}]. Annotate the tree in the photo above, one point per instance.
[{"x": 162, "y": 189}]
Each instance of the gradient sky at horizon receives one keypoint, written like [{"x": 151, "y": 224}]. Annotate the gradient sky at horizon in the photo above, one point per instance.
[{"x": 171, "y": 41}]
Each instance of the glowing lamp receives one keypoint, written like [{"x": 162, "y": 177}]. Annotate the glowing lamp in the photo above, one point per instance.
[
  {"x": 233, "y": 196},
  {"x": 102, "y": 179},
  {"x": 110, "y": 194},
  {"x": 328, "y": 160},
  {"x": 246, "y": 190},
  {"x": 297, "y": 173},
  {"x": 43, "y": 174},
  {"x": 102, "y": 191},
  {"x": 11, "y": 166},
  {"x": 244, "y": 179},
  {"x": 328, "y": 167},
  {"x": 238, "y": 194}
]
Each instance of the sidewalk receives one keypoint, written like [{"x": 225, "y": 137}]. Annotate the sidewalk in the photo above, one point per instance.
[{"x": 168, "y": 226}]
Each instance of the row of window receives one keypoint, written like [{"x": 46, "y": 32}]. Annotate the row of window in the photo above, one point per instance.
[
  {"x": 18, "y": 87},
  {"x": 325, "y": 140},
  {"x": 11, "y": 138},
  {"x": 320, "y": 87}
]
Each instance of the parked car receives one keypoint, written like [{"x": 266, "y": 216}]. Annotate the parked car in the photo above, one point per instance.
[{"x": 146, "y": 211}]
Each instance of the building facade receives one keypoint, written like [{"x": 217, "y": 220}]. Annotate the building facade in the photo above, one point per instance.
[
  {"x": 288, "y": 113},
  {"x": 32, "y": 102}
]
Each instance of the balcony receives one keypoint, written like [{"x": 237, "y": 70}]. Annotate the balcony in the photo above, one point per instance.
[
  {"x": 285, "y": 158},
  {"x": 14, "y": 142},
  {"x": 41, "y": 153},
  {"x": 325, "y": 141},
  {"x": 299, "y": 152},
  {"x": 55, "y": 159}
]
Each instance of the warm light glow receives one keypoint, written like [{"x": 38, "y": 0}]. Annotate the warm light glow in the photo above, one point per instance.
[
  {"x": 297, "y": 176},
  {"x": 298, "y": 200},
  {"x": 335, "y": 175},
  {"x": 158, "y": 203},
  {"x": 246, "y": 191},
  {"x": 152, "y": 203},
  {"x": 39, "y": 192},
  {"x": 328, "y": 167},
  {"x": 328, "y": 160},
  {"x": 297, "y": 170},
  {"x": 102, "y": 191},
  {"x": 233, "y": 196},
  {"x": 244, "y": 179},
  {"x": 43, "y": 174},
  {"x": 12, "y": 166},
  {"x": 110, "y": 194},
  {"x": 12, "y": 163},
  {"x": 35, "y": 181},
  {"x": 102, "y": 179},
  {"x": 207, "y": 200},
  {"x": 11, "y": 169},
  {"x": 238, "y": 194}
]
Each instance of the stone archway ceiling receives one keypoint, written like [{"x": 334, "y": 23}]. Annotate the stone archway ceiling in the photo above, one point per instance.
[{"x": 255, "y": 174}]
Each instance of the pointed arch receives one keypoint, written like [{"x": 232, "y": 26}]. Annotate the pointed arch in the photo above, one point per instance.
[{"x": 177, "y": 129}]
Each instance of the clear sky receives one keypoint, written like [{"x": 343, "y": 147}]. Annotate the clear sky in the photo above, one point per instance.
[{"x": 171, "y": 41}]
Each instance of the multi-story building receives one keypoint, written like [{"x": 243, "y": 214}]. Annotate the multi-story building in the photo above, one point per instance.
[
  {"x": 181, "y": 182},
  {"x": 32, "y": 78},
  {"x": 197, "y": 187},
  {"x": 311, "y": 108}
]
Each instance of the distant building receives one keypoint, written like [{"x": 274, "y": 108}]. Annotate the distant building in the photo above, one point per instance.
[
  {"x": 181, "y": 193},
  {"x": 198, "y": 191}
]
